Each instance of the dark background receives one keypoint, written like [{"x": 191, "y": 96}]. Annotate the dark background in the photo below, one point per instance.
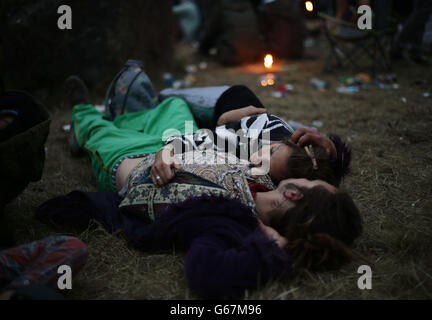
[{"x": 37, "y": 56}]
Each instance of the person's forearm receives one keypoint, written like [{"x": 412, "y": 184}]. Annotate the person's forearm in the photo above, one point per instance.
[
  {"x": 238, "y": 114},
  {"x": 228, "y": 117}
]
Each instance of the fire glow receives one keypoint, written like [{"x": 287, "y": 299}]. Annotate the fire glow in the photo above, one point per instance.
[
  {"x": 268, "y": 61},
  {"x": 309, "y": 6},
  {"x": 268, "y": 80}
]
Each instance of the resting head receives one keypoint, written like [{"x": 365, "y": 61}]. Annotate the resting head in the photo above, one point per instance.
[
  {"x": 288, "y": 160},
  {"x": 315, "y": 217}
]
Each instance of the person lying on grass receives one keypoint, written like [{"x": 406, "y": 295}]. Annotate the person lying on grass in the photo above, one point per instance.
[
  {"x": 116, "y": 147},
  {"x": 125, "y": 152},
  {"x": 230, "y": 246},
  {"x": 239, "y": 230},
  {"x": 240, "y": 121}
]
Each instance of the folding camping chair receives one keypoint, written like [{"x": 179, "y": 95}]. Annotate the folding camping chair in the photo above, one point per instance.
[{"x": 349, "y": 44}]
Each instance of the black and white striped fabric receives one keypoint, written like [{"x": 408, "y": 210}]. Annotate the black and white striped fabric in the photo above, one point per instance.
[{"x": 241, "y": 138}]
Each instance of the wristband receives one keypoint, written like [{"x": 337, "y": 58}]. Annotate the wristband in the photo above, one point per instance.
[{"x": 168, "y": 146}]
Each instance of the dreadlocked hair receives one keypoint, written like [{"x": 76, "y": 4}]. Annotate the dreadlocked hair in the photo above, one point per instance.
[
  {"x": 320, "y": 228},
  {"x": 300, "y": 164},
  {"x": 316, "y": 251}
]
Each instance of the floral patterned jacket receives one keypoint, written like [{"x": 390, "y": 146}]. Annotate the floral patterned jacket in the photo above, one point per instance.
[{"x": 202, "y": 173}]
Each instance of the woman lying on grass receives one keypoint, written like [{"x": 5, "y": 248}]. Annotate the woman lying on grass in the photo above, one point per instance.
[{"x": 240, "y": 122}]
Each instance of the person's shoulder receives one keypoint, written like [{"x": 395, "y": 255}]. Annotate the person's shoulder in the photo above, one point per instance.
[
  {"x": 265, "y": 118},
  {"x": 273, "y": 117},
  {"x": 282, "y": 124}
]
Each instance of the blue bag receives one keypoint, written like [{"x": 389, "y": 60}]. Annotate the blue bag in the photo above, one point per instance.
[{"x": 130, "y": 91}]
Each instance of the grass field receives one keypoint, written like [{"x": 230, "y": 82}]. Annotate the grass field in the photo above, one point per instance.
[{"x": 390, "y": 133}]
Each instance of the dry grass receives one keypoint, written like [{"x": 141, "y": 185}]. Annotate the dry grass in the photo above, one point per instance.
[{"x": 390, "y": 181}]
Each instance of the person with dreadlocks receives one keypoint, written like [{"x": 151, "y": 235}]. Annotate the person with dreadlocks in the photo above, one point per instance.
[{"x": 231, "y": 246}]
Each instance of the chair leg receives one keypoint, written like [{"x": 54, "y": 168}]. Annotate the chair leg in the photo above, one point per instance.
[
  {"x": 387, "y": 64},
  {"x": 333, "y": 48},
  {"x": 350, "y": 56},
  {"x": 371, "y": 52}
]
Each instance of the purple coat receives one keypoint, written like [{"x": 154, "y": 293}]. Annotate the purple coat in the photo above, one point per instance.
[{"x": 226, "y": 251}]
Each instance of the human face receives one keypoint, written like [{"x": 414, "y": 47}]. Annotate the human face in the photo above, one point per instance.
[
  {"x": 274, "y": 158},
  {"x": 278, "y": 161},
  {"x": 273, "y": 204}
]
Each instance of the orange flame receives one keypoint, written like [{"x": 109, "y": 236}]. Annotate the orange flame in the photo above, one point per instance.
[
  {"x": 309, "y": 6},
  {"x": 268, "y": 61}
]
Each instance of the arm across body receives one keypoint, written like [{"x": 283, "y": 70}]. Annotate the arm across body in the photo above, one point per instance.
[
  {"x": 238, "y": 114},
  {"x": 246, "y": 131},
  {"x": 163, "y": 170}
]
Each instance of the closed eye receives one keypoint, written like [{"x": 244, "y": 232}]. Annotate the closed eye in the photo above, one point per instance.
[{"x": 273, "y": 148}]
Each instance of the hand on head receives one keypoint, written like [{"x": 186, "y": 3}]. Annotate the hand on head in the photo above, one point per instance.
[
  {"x": 288, "y": 160},
  {"x": 306, "y": 136}
]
